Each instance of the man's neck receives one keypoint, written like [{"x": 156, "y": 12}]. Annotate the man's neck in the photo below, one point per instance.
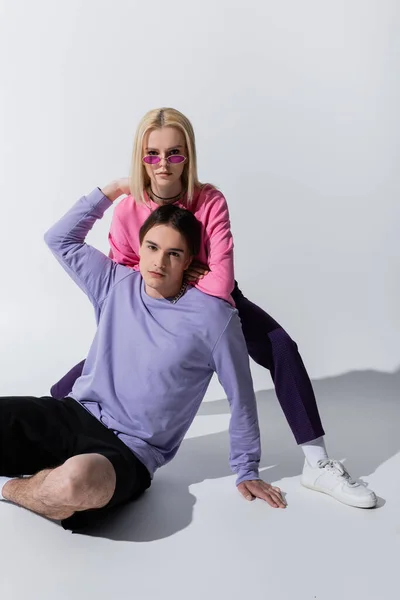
[{"x": 167, "y": 294}]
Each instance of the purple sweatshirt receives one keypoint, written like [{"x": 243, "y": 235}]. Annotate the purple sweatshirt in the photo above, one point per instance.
[{"x": 151, "y": 361}]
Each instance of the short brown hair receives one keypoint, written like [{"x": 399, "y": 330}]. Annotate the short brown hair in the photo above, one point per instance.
[{"x": 180, "y": 219}]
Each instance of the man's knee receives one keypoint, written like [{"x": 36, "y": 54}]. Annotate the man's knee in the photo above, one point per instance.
[{"x": 83, "y": 482}]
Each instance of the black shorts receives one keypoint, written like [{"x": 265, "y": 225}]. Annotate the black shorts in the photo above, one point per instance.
[{"x": 42, "y": 433}]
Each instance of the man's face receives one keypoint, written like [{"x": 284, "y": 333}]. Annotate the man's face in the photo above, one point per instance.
[{"x": 164, "y": 256}]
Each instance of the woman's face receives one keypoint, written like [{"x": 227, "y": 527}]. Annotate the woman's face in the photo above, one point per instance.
[{"x": 165, "y": 142}]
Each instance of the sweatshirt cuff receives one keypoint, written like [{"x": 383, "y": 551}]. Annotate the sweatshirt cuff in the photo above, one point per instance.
[
  {"x": 97, "y": 199},
  {"x": 248, "y": 476}
]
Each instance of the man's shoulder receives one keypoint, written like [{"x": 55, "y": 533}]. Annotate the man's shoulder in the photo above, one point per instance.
[
  {"x": 213, "y": 306},
  {"x": 214, "y": 318},
  {"x": 127, "y": 277}
]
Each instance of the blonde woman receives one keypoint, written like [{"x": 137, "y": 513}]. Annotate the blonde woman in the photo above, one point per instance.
[{"x": 164, "y": 170}]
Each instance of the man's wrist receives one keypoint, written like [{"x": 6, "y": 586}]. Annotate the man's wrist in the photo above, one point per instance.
[{"x": 252, "y": 476}]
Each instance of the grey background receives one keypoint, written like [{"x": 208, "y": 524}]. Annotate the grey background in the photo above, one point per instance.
[{"x": 295, "y": 106}]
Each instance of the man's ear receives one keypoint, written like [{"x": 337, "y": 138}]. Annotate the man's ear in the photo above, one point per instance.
[{"x": 188, "y": 262}]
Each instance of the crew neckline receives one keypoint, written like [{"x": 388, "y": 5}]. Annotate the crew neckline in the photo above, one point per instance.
[{"x": 162, "y": 300}]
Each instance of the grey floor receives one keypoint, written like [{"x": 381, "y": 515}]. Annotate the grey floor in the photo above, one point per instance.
[{"x": 192, "y": 535}]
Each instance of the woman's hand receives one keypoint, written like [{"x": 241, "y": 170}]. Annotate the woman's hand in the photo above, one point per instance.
[
  {"x": 196, "y": 271},
  {"x": 116, "y": 188}
]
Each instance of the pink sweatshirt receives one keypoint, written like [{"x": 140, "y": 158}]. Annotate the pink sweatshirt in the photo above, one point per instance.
[{"x": 210, "y": 208}]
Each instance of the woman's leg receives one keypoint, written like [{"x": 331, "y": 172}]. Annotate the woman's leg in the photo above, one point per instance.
[
  {"x": 271, "y": 347},
  {"x": 63, "y": 388}
]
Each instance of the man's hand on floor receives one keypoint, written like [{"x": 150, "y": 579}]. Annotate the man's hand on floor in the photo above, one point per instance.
[{"x": 256, "y": 488}]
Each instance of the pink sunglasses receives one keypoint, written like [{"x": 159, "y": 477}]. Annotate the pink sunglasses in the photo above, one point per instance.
[{"x": 173, "y": 159}]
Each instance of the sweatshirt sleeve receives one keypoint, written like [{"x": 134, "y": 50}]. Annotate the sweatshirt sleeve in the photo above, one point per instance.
[
  {"x": 219, "y": 247},
  {"x": 94, "y": 272},
  {"x": 231, "y": 363},
  {"x": 120, "y": 248}
]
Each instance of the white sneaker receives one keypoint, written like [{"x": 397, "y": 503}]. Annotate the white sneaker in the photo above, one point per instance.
[{"x": 331, "y": 477}]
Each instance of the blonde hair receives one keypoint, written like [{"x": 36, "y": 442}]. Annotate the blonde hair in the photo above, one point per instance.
[{"x": 156, "y": 119}]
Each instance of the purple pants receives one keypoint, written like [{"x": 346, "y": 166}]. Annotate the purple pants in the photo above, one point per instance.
[{"x": 271, "y": 347}]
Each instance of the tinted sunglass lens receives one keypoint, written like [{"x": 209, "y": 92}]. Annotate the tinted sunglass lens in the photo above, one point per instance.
[
  {"x": 151, "y": 159},
  {"x": 176, "y": 159}
]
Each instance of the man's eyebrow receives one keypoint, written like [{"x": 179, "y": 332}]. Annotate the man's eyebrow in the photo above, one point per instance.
[
  {"x": 168, "y": 149},
  {"x": 169, "y": 249}
]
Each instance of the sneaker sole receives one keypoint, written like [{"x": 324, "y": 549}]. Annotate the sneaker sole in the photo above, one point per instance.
[{"x": 370, "y": 502}]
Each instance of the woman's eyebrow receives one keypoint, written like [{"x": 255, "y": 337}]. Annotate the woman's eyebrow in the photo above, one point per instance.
[{"x": 156, "y": 149}]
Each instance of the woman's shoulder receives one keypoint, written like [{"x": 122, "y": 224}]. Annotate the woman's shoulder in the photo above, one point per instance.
[
  {"x": 209, "y": 195},
  {"x": 128, "y": 206}
]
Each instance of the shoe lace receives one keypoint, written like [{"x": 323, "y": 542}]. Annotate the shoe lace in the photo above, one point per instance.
[{"x": 338, "y": 468}]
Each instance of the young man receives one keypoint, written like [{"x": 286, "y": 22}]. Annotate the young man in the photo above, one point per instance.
[{"x": 156, "y": 347}]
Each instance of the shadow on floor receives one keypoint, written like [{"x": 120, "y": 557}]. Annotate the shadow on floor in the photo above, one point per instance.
[{"x": 360, "y": 412}]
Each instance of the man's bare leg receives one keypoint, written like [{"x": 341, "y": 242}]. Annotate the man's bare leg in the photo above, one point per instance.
[{"x": 81, "y": 483}]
